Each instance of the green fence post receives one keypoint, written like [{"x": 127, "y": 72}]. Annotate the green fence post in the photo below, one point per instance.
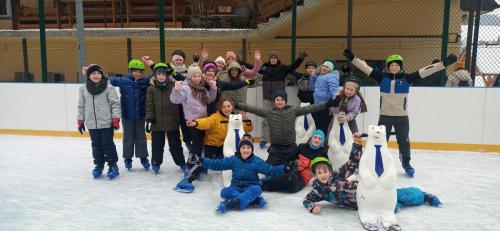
[
  {"x": 294, "y": 29},
  {"x": 161, "y": 16},
  {"x": 43, "y": 45},
  {"x": 444, "y": 37}
]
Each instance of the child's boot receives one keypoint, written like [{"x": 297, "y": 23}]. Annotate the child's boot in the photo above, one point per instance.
[
  {"x": 128, "y": 163},
  {"x": 228, "y": 204},
  {"x": 113, "y": 171},
  {"x": 432, "y": 199},
  {"x": 145, "y": 163},
  {"x": 97, "y": 172},
  {"x": 408, "y": 168},
  {"x": 185, "y": 169},
  {"x": 259, "y": 202},
  {"x": 155, "y": 168}
]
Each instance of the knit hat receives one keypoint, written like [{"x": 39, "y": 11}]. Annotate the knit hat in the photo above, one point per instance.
[
  {"x": 281, "y": 94},
  {"x": 273, "y": 54},
  {"x": 245, "y": 141},
  {"x": 178, "y": 54},
  {"x": 230, "y": 54},
  {"x": 209, "y": 65},
  {"x": 220, "y": 59},
  {"x": 311, "y": 63},
  {"x": 317, "y": 133},
  {"x": 193, "y": 70},
  {"x": 93, "y": 68},
  {"x": 329, "y": 63}
]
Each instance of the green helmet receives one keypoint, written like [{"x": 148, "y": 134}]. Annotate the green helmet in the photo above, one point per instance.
[
  {"x": 136, "y": 64},
  {"x": 392, "y": 58},
  {"x": 168, "y": 69},
  {"x": 318, "y": 160},
  {"x": 164, "y": 65}
]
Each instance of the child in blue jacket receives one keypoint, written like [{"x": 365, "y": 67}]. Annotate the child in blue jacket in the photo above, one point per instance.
[
  {"x": 133, "y": 89},
  {"x": 245, "y": 188}
]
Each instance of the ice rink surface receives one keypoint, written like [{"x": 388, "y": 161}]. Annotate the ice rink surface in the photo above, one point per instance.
[{"x": 46, "y": 184}]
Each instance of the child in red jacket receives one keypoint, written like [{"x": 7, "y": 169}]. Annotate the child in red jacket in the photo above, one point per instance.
[{"x": 308, "y": 151}]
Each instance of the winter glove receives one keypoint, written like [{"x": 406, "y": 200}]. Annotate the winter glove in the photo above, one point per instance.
[
  {"x": 349, "y": 55},
  {"x": 250, "y": 81},
  {"x": 81, "y": 126},
  {"x": 356, "y": 151},
  {"x": 303, "y": 55},
  {"x": 449, "y": 60},
  {"x": 333, "y": 102},
  {"x": 116, "y": 123},
  {"x": 170, "y": 70},
  {"x": 291, "y": 167},
  {"x": 148, "y": 127},
  {"x": 196, "y": 57}
]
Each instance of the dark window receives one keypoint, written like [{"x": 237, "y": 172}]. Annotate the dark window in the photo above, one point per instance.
[{"x": 3, "y": 7}]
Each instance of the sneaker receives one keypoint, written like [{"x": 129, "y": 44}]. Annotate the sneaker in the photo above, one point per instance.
[
  {"x": 262, "y": 144},
  {"x": 228, "y": 204},
  {"x": 128, "y": 163},
  {"x": 145, "y": 163},
  {"x": 432, "y": 199},
  {"x": 410, "y": 171},
  {"x": 155, "y": 168},
  {"x": 113, "y": 172}
]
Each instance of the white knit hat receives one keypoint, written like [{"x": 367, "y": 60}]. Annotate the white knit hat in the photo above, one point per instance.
[
  {"x": 193, "y": 70},
  {"x": 220, "y": 59}
]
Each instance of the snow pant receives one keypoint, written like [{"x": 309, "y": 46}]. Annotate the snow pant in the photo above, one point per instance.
[
  {"x": 264, "y": 128},
  {"x": 134, "y": 136},
  {"x": 245, "y": 195},
  {"x": 103, "y": 146},
  {"x": 401, "y": 126},
  {"x": 196, "y": 147},
  {"x": 291, "y": 182},
  {"x": 409, "y": 196},
  {"x": 174, "y": 146},
  {"x": 322, "y": 120},
  {"x": 186, "y": 132},
  {"x": 213, "y": 152}
]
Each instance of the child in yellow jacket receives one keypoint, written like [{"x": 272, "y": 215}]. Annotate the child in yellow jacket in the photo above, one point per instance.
[{"x": 216, "y": 126}]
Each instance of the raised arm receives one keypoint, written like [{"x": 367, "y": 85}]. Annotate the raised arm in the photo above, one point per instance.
[
  {"x": 309, "y": 109},
  {"x": 362, "y": 66},
  {"x": 206, "y": 123},
  {"x": 178, "y": 95},
  {"x": 252, "y": 109},
  {"x": 256, "y": 66},
  {"x": 217, "y": 164},
  {"x": 296, "y": 63},
  {"x": 431, "y": 69}
]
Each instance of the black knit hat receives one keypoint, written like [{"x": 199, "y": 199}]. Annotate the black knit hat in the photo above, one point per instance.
[
  {"x": 281, "y": 94},
  {"x": 245, "y": 141},
  {"x": 179, "y": 52},
  {"x": 95, "y": 68}
]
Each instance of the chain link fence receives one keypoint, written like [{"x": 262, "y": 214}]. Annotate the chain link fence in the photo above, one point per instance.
[{"x": 119, "y": 30}]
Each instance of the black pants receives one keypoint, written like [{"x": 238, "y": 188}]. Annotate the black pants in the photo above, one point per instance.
[
  {"x": 196, "y": 140},
  {"x": 213, "y": 152},
  {"x": 283, "y": 154},
  {"x": 103, "y": 146},
  {"x": 186, "y": 134},
  {"x": 174, "y": 146},
  {"x": 401, "y": 126},
  {"x": 322, "y": 120}
]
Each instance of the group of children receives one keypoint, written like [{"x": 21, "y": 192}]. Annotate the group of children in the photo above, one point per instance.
[{"x": 199, "y": 99}]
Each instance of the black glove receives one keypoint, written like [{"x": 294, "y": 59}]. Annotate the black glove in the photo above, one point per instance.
[
  {"x": 196, "y": 57},
  {"x": 250, "y": 81},
  {"x": 303, "y": 55},
  {"x": 170, "y": 70},
  {"x": 349, "y": 55},
  {"x": 333, "y": 102},
  {"x": 449, "y": 60},
  {"x": 291, "y": 167},
  {"x": 148, "y": 127}
]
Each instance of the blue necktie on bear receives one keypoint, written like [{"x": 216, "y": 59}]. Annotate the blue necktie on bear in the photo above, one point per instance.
[
  {"x": 379, "y": 165},
  {"x": 342, "y": 134},
  {"x": 237, "y": 138}
]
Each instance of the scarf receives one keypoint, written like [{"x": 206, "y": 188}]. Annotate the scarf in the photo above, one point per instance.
[
  {"x": 199, "y": 91},
  {"x": 97, "y": 88}
]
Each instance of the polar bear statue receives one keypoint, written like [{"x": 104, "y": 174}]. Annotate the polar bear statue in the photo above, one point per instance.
[{"x": 340, "y": 142}]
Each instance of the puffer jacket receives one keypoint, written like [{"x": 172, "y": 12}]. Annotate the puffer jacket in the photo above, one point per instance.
[
  {"x": 193, "y": 108},
  {"x": 98, "y": 110},
  {"x": 237, "y": 95},
  {"x": 273, "y": 76},
  {"x": 325, "y": 86},
  {"x": 245, "y": 172},
  {"x": 282, "y": 121},
  {"x": 306, "y": 154},
  {"x": 133, "y": 95},
  {"x": 160, "y": 108},
  {"x": 215, "y": 128}
]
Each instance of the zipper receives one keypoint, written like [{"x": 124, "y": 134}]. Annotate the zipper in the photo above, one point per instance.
[{"x": 95, "y": 115}]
